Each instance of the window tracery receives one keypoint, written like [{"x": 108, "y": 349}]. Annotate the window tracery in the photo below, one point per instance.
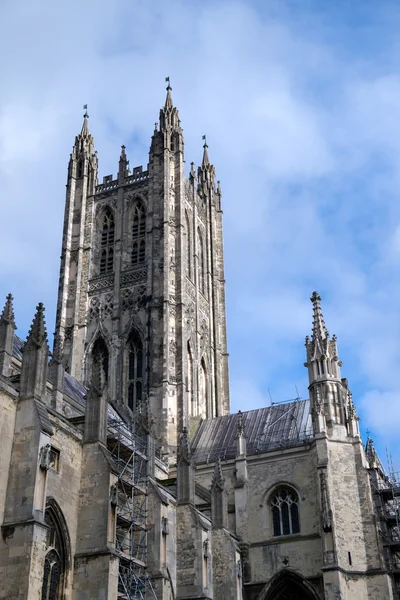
[
  {"x": 55, "y": 559},
  {"x": 138, "y": 254},
  {"x": 285, "y": 512},
  {"x": 107, "y": 243}
]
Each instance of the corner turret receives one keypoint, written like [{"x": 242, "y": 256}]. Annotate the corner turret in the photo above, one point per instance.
[
  {"x": 330, "y": 398},
  {"x": 34, "y": 359},
  {"x": 7, "y": 328}
]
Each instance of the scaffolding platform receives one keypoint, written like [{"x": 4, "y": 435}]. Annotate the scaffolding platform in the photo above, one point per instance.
[{"x": 127, "y": 447}]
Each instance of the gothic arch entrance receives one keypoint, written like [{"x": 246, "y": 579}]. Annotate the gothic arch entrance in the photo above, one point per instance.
[{"x": 288, "y": 586}]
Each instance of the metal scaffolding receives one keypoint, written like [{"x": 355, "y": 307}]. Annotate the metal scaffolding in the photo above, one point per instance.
[
  {"x": 127, "y": 446},
  {"x": 386, "y": 491}
]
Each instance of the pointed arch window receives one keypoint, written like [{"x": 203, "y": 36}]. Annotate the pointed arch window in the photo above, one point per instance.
[
  {"x": 203, "y": 408},
  {"x": 107, "y": 243},
  {"x": 55, "y": 559},
  {"x": 138, "y": 234},
  {"x": 188, "y": 248},
  {"x": 135, "y": 371},
  {"x": 202, "y": 269},
  {"x": 100, "y": 359},
  {"x": 191, "y": 401},
  {"x": 285, "y": 512}
]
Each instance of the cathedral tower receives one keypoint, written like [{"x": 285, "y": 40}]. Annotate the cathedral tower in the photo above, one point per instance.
[{"x": 142, "y": 282}]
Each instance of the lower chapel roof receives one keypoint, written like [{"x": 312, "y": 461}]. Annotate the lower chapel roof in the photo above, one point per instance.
[{"x": 269, "y": 428}]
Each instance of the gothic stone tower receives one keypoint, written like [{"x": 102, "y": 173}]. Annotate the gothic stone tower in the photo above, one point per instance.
[{"x": 142, "y": 282}]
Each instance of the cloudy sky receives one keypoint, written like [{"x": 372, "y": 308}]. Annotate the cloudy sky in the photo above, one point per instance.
[{"x": 300, "y": 100}]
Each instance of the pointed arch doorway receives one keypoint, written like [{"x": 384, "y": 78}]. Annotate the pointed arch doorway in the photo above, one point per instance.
[{"x": 288, "y": 586}]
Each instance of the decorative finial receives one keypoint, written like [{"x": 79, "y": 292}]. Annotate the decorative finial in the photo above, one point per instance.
[
  {"x": 239, "y": 424},
  {"x": 319, "y": 329},
  {"x": 85, "y": 126},
  {"x": 206, "y": 160},
  {"x": 37, "y": 334},
  {"x": 168, "y": 101},
  {"x": 184, "y": 451},
  {"x": 7, "y": 316},
  {"x": 218, "y": 480}
]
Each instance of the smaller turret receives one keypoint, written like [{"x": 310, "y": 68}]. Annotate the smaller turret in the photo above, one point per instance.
[
  {"x": 34, "y": 359},
  {"x": 330, "y": 398},
  {"x": 219, "y": 505},
  {"x": 7, "y": 328},
  {"x": 206, "y": 172}
]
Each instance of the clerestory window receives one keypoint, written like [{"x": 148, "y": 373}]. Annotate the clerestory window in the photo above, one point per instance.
[
  {"x": 107, "y": 243},
  {"x": 285, "y": 512},
  {"x": 135, "y": 372},
  {"x": 138, "y": 234}
]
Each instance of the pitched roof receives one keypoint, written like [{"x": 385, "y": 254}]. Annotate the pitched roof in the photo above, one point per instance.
[{"x": 265, "y": 429}]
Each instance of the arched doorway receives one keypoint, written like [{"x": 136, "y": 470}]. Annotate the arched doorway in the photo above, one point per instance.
[{"x": 287, "y": 585}]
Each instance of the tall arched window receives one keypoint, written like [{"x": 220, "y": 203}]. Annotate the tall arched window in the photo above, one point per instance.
[
  {"x": 191, "y": 402},
  {"x": 107, "y": 243},
  {"x": 201, "y": 258},
  {"x": 203, "y": 389},
  {"x": 56, "y": 557},
  {"x": 188, "y": 248},
  {"x": 135, "y": 371},
  {"x": 285, "y": 512},
  {"x": 100, "y": 361},
  {"x": 138, "y": 234}
]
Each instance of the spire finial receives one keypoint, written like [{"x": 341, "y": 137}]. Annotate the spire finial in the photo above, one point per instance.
[
  {"x": 218, "y": 480},
  {"x": 7, "y": 315},
  {"x": 184, "y": 451},
  {"x": 239, "y": 424},
  {"x": 37, "y": 334},
  {"x": 206, "y": 160},
  {"x": 168, "y": 100},
  {"x": 85, "y": 126},
  {"x": 319, "y": 331}
]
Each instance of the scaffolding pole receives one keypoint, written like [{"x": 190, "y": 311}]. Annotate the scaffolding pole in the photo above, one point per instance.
[{"x": 127, "y": 446}]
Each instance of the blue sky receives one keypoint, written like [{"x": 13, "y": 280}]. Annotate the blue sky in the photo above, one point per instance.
[{"x": 300, "y": 101}]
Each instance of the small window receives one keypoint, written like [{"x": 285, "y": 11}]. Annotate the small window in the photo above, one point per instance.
[
  {"x": 54, "y": 459},
  {"x": 285, "y": 512}
]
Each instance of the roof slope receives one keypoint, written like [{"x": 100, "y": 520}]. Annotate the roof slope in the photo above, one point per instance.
[{"x": 269, "y": 428}]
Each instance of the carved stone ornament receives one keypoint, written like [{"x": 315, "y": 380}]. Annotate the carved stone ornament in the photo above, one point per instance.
[
  {"x": 164, "y": 525},
  {"x": 94, "y": 309},
  {"x": 114, "y": 495},
  {"x": 326, "y": 511},
  {"x": 45, "y": 457},
  {"x": 189, "y": 314}
]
